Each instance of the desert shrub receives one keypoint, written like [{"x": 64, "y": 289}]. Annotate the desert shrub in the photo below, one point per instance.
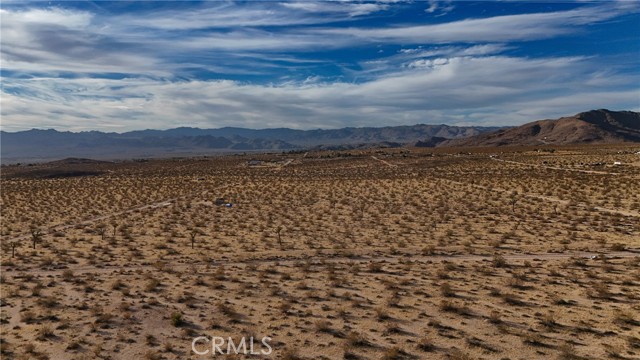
[
  {"x": 499, "y": 261},
  {"x": 393, "y": 353},
  {"x": 177, "y": 319},
  {"x": 375, "y": 267},
  {"x": 623, "y": 317},
  {"x": 323, "y": 326},
  {"x": 356, "y": 339},
  {"x": 152, "y": 355},
  {"x": 44, "y": 332},
  {"x": 447, "y": 290},
  {"x": 618, "y": 247},
  {"x": 382, "y": 314},
  {"x": 290, "y": 354},
  {"x": 152, "y": 285},
  {"x": 28, "y": 317},
  {"x": 425, "y": 344},
  {"x": 513, "y": 299},
  {"x": 67, "y": 275},
  {"x": 457, "y": 354}
]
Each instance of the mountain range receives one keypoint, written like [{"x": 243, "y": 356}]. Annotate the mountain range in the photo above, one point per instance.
[
  {"x": 595, "y": 126},
  {"x": 42, "y": 145}
]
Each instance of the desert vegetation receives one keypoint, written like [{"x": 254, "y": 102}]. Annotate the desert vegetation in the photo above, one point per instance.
[{"x": 372, "y": 254}]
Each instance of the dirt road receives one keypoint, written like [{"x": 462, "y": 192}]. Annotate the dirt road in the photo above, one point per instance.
[
  {"x": 556, "y": 167},
  {"x": 384, "y": 162},
  {"x": 155, "y": 204}
]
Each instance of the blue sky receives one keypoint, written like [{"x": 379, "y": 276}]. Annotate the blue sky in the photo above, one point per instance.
[{"x": 119, "y": 66}]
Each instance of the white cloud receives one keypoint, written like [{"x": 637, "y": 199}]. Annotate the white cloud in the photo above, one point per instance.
[
  {"x": 505, "y": 28},
  {"x": 425, "y": 63},
  {"x": 440, "y": 7},
  {"x": 499, "y": 88},
  {"x": 482, "y": 49},
  {"x": 421, "y": 57},
  {"x": 259, "y": 40},
  {"x": 251, "y": 14},
  {"x": 53, "y": 16},
  {"x": 56, "y": 40},
  {"x": 353, "y": 9}
]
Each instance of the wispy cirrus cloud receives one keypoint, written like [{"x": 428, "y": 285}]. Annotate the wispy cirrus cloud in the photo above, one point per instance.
[
  {"x": 521, "y": 27},
  {"x": 217, "y": 15},
  {"x": 299, "y": 65},
  {"x": 439, "y": 8},
  {"x": 414, "y": 57},
  {"x": 458, "y": 86},
  {"x": 54, "y": 39}
]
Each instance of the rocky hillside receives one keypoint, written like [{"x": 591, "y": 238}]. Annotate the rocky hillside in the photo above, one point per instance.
[{"x": 596, "y": 126}]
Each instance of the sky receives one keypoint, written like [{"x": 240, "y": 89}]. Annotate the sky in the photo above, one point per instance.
[{"x": 118, "y": 66}]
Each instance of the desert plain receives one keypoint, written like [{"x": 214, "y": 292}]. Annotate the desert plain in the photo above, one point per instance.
[{"x": 496, "y": 253}]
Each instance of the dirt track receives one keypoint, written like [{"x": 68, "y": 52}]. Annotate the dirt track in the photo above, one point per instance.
[
  {"x": 384, "y": 162},
  {"x": 556, "y": 167},
  {"x": 155, "y": 204}
]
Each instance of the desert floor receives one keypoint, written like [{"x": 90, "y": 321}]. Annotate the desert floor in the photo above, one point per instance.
[{"x": 364, "y": 254}]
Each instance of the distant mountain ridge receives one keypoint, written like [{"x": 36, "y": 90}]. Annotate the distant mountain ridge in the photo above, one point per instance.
[
  {"x": 40, "y": 145},
  {"x": 592, "y": 127},
  {"x": 595, "y": 126},
  {"x": 348, "y": 135}
]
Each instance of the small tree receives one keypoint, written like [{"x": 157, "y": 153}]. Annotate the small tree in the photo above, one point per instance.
[
  {"x": 361, "y": 207},
  {"x": 114, "y": 224},
  {"x": 193, "y": 235},
  {"x": 278, "y": 231},
  {"x": 36, "y": 235},
  {"x": 101, "y": 229},
  {"x": 513, "y": 200}
]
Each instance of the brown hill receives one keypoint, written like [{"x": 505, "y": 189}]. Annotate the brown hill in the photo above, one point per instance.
[{"x": 596, "y": 126}]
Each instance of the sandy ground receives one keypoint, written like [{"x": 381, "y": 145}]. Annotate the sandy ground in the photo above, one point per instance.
[{"x": 382, "y": 254}]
